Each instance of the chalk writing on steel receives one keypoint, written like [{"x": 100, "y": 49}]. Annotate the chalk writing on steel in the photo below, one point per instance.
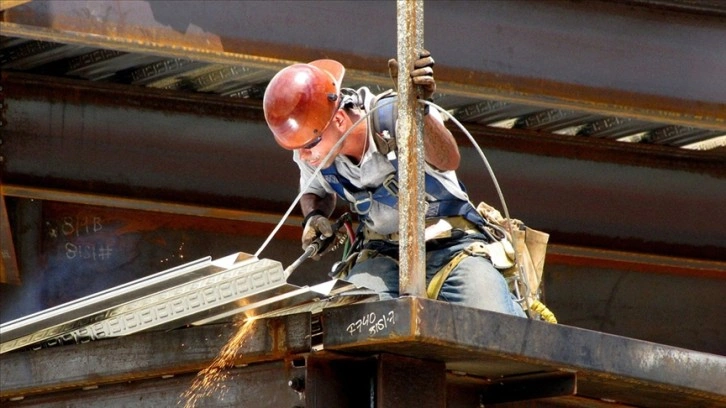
[
  {"x": 372, "y": 323},
  {"x": 81, "y": 236}
]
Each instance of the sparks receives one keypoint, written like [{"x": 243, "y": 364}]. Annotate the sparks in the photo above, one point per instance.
[{"x": 209, "y": 381}]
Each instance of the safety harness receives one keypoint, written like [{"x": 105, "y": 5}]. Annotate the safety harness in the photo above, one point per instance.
[
  {"x": 499, "y": 249},
  {"x": 383, "y": 122},
  {"x": 446, "y": 204}
]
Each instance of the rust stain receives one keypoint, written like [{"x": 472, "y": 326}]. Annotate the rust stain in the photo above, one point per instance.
[{"x": 130, "y": 21}]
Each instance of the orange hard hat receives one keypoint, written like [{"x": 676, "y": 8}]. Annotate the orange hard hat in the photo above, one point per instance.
[{"x": 301, "y": 100}]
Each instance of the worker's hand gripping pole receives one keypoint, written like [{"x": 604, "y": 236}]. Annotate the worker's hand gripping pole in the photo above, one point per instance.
[{"x": 321, "y": 245}]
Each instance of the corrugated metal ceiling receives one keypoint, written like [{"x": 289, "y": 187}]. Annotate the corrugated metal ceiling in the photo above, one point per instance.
[{"x": 239, "y": 81}]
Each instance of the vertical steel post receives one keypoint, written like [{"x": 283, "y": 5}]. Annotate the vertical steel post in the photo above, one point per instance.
[{"x": 409, "y": 131}]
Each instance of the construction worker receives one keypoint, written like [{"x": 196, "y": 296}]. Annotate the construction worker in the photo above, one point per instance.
[{"x": 308, "y": 112}]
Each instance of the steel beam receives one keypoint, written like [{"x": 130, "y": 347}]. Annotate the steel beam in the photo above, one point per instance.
[
  {"x": 610, "y": 58},
  {"x": 36, "y": 193},
  {"x": 148, "y": 355},
  {"x": 403, "y": 352},
  {"x": 74, "y": 136},
  {"x": 394, "y": 387},
  {"x": 227, "y": 139},
  {"x": 541, "y": 390},
  {"x": 634, "y": 262},
  {"x": 529, "y": 387},
  {"x": 262, "y": 385},
  {"x": 6, "y": 4},
  {"x": 495, "y": 346},
  {"x": 335, "y": 380}
]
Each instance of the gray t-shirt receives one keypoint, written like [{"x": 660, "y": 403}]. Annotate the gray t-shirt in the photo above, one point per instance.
[{"x": 369, "y": 174}]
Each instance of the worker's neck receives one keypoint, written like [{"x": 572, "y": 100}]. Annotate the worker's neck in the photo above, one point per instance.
[{"x": 355, "y": 145}]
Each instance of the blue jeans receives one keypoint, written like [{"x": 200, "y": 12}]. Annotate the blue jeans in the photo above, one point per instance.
[{"x": 474, "y": 282}]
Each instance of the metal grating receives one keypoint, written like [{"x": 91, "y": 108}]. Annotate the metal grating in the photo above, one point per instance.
[
  {"x": 196, "y": 293},
  {"x": 185, "y": 75}
]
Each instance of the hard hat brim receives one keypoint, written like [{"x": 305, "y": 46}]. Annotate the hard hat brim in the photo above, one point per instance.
[{"x": 332, "y": 67}]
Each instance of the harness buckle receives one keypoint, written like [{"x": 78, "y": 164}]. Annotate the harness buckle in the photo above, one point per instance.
[
  {"x": 391, "y": 184},
  {"x": 362, "y": 206}
]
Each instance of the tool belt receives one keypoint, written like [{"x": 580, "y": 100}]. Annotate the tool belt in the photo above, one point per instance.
[
  {"x": 436, "y": 228},
  {"x": 440, "y": 232}
]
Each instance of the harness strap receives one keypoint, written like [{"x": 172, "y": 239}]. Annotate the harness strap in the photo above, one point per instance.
[
  {"x": 437, "y": 282},
  {"x": 436, "y": 229},
  {"x": 497, "y": 252},
  {"x": 384, "y": 144},
  {"x": 387, "y": 194}
]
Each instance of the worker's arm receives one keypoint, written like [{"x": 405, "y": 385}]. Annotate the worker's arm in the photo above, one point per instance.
[
  {"x": 440, "y": 148},
  {"x": 310, "y": 202},
  {"x": 316, "y": 210}
]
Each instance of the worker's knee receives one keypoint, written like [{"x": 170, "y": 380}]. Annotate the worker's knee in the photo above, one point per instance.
[
  {"x": 379, "y": 274},
  {"x": 476, "y": 283}
]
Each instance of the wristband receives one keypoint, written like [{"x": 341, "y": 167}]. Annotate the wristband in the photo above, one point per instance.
[{"x": 310, "y": 215}]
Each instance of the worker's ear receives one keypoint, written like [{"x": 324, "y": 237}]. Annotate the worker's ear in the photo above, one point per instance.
[{"x": 340, "y": 118}]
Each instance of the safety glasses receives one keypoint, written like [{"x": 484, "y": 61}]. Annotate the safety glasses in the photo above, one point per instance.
[{"x": 313, "y": 143}]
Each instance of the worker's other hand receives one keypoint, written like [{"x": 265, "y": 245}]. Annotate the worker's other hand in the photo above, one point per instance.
[
  {"x": 421, "y": 75},
  {"x": 393, "y": 71},
  {"x": 317, "y": 225}
]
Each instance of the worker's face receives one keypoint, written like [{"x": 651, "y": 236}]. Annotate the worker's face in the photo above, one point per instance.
[{"x": 314, "y": 152}]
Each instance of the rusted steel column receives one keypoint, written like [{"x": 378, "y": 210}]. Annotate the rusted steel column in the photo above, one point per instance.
[{"x": 411, "y": 205}]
